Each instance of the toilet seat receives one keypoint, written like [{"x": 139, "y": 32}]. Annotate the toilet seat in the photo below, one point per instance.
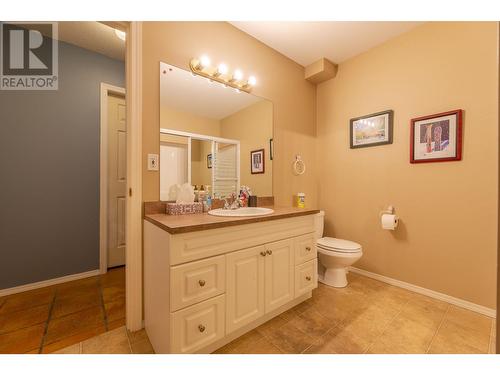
[{"x": 330, "y": 244}]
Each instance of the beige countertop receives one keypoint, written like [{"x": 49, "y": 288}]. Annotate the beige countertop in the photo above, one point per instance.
[{"x": 195, "y": 222}]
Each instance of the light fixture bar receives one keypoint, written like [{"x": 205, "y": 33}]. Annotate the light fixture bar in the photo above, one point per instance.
[{"x": 219, "y": 75}]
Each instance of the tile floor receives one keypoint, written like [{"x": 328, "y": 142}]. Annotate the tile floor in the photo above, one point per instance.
[
  {"x": 48, "y": 319},
  {"x": 116, "y": 341},
  {"x": 366, "y": 317},
  {"x": 369, "y": 316}
]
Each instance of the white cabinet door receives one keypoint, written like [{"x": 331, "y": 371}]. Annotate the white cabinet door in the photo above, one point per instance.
[
  {"x": 279, "y": 274},
  {"x": 244, "y": 287}
]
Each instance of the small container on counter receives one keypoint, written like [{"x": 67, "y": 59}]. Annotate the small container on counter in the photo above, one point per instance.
[
  {"x": 300, "y": 200},
  {"x": 252, "y": 201}
]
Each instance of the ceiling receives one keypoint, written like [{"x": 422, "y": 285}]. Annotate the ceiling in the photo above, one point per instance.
[
  {"x": 181, "y": 90},
  {"x": 307, "y": 42},
  {"x": 93, "y": 36}
]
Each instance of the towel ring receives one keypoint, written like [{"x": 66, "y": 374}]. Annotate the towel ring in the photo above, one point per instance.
[{"x": 299, "y": 167}]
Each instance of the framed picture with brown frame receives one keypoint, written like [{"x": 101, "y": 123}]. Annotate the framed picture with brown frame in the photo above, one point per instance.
[
  {"x": 436, "y": 138},
  {"x": 371, "y": 130},
  {"x": 209, "y": 161},
  {"x": 257, "y": 161}
]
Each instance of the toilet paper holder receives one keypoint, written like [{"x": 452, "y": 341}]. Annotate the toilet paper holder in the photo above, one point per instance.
[{"x": 390, "y": 211}]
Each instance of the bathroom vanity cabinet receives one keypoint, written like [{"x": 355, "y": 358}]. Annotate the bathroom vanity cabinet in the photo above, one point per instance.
[{"x": 207, "y": 284}]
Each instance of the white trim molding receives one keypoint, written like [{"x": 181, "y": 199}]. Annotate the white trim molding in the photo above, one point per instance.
[
  {"x": 106, "y": 89},
  {"x": 428, "y": 292},
  {"x": 133, "y": 253},
  {"x": 45, "y": 283}
]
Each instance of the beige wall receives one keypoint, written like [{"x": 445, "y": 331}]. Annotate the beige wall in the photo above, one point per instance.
[
  {"x": 447, "y": 238},
  {"x": 253, "y": 126},
  {"x": 200, "y": 173},
  {"x": 177, "y": 120},
  {"x": 279, "y": 80}
]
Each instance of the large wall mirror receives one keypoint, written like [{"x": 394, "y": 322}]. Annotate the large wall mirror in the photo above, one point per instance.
[{"x": 212, "y": 136}]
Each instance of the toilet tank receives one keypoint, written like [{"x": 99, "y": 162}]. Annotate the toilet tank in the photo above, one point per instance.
[{"x": 319, "y": 223}]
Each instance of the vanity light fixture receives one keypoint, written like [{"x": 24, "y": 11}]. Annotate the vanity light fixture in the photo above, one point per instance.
[
  {"x": 201, "y": 66},
  {"x": 252, "y": 81},
  {"x": 237, "y": 76},
  {"x": 221, "y": 70}
]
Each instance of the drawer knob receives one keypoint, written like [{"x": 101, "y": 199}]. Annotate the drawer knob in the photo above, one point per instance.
[
  {"x": 270, "y": 252},
  {"x": 201, "y": 282},
  {"x": 263, "y": 253},
  {"x": 308, "y": 278},
  {"x": 201, "y": 328},
  {"x": 308, "y": 248}
]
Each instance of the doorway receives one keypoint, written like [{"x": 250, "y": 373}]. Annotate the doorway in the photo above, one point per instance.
[{"x": 113, "y": 177}]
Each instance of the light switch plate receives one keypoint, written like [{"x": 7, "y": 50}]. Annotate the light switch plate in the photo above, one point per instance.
[{"x": 153, "y": 163}]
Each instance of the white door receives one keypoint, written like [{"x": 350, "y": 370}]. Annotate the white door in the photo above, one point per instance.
[
  {"x": 279, "y": 274},
  {"x": 244, "y": 287},
  {"x": 117, "y": 182},
  {"x": 173, "y": 167}
]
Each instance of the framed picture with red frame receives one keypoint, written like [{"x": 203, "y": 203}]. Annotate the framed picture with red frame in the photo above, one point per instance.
[{"x": 436, "y": 137}]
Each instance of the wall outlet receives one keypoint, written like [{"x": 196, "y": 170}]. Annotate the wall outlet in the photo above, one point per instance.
[{"x": 153, "y": 163}]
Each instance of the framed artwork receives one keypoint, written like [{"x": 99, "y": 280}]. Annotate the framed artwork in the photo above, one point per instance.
[
  {"x": 257, "y": 161},
  {"x": 436, "y": 137},
  {"x": 371, "y": 130},
  {"x": 209, "y": 161}
]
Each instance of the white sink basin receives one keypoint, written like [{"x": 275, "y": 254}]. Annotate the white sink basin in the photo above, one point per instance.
[{"x": 243, "y": 211}]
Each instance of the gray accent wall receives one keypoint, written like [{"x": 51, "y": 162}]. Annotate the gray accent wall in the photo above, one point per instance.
[{"x": 49, "y": 171}]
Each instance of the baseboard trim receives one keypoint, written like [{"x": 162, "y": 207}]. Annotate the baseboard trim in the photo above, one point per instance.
[
  {"x": 428, "y": 292},
  {"x": 42, "y": 284}
]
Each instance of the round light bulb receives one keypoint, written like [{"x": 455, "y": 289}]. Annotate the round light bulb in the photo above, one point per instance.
[
  {"x": 238, "y": 75},
  {"x": 204, "y": 61},
  {"x": 252, "y": 81},
  {"x": 222, "y": 69}
]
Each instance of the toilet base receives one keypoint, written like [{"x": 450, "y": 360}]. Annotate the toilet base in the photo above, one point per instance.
[{"x": 335, "y": 277}]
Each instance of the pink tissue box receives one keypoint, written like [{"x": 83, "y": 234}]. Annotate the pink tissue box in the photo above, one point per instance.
[{"x": 184, "y": 208}]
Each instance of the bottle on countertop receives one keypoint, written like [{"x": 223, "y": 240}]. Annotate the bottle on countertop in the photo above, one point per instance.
[
  {"x": 301, "y": 200},
  {"x": 207, "y": 204}
]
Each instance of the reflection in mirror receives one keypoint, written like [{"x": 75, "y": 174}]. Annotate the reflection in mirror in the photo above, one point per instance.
[
  {"x": 201, "y": 155},
  {"x": 173, "y": 164},
  {"x": 208, "y": 132},
  {"x": 225, "y": 169}
]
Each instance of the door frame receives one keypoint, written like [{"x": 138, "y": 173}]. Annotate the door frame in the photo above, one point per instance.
[
  {"x": 133, "y": 221},
  {"x": 106, "y": 90}
]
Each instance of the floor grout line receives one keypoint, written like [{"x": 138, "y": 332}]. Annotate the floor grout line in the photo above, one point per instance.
[
  {"x": 49, "y": 317},
  {"x": 128, "y": 340},
  {"x": 386, "y": 326},
  {"x": 491, "y": 336},
  {"x": 323, "y": 335},
  {"x": 437, "y": 329},
  {"x": 3, "y": 303},
  {"x": 103, "y": 306}
]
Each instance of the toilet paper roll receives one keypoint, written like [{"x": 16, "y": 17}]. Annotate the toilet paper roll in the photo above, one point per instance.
[{"x": 389, "y": 221}]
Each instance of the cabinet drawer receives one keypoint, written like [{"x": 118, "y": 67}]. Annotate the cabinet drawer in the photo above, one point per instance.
[
  {"x": 197, "y": 326},
  {"x": 186, "y": 247},
  {"x": 196, "y": 281},
  {"x": 305, "y": 248},
  {"x": 306, "y": 277}
]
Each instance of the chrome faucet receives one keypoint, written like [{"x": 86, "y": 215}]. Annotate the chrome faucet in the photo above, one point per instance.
[{"x": 235, "y": 203}]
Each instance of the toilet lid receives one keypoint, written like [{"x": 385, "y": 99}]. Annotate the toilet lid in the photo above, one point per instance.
[{"x": 337, "y": 244}]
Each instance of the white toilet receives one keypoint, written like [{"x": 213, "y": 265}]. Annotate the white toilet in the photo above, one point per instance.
[{"x": 335, "y": 255}]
